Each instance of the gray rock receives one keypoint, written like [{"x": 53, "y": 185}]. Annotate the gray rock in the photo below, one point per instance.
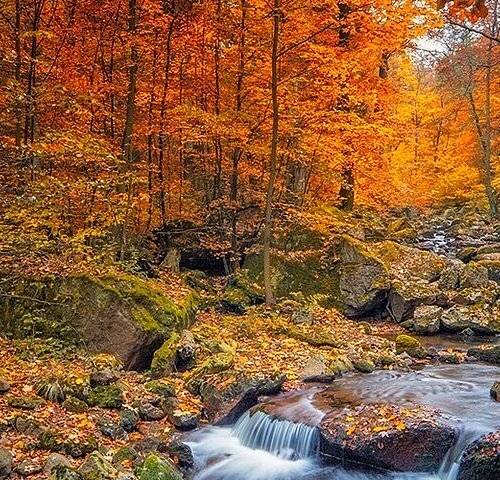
[
  {"x": 480, "y": 319},
  {"x": 108, "y": 427},
  {"x": 150, "y": 412},
  {"x": 481, "y": 459},
  {"x": 184, "y": 421},
  {"x": 55, "y": 460},
  {"x": 427, "y": 319},
  {"x": 6, "y": 460}
]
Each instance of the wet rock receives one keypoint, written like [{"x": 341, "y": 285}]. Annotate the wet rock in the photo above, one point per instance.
[
  {"x": 55, "y": 460},
  {"x": 467, "y": 332},
  {"x": 411, "y": 346},
  {"x": 129, "y": 420},
  {"x": 184, "y": 421},
  {"x": 4, "y": 385},
  {"x": 182, "y": 454},
  {"x": 474, "y": 276},
  {"x": 103, "y": 377},
  {"x": 74, "y": 405},
  {"x": 155, "y": 468},
  {"x": 150, "y": 412},
  {"x": 106, "y": 397},
  {"x": 495, "y": 391},
  {"x": 25, "y": 403},
  {"x": 6, "y": 460},
  {"x": 413, "y": 445},
  {"x": 427, "y": 319},
  {"x": 27, "y": 468},
  {"x": 467, "y": 254},
  {"x": 364, "y": 366},
  {"x": 479, "y": 318},
  {"x": 97, "y": 464},
  {"x": 452, "y": 358},
  {"x": 481, "y": 459},
  {"x": 164, "y": 358},
  {"x": 487, "y": 354},
  {"x": 107, "y": 426},
  {"x": 224, "y": 406}
]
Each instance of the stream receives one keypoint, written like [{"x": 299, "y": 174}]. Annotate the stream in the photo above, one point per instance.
[{"x": 260, "y": 448}]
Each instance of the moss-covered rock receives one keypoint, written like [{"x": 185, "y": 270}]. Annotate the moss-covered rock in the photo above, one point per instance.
[
  {"x": 364, "y": 366},
  {"x": 25, "y": 403},
  {"x": 480, "y": 318},
  {"x": 241, "y": 293},
  {"x": 97, "y": 466},
  {"x": 164, "y": 388},
  {"x": 427, "y": 319},
  {"x": 135, "y": 313},
  {"x": 75, "y": 405},
  {"x": 316, "y": 339},
  {"x": 110, "y": 396},
  {"x": 155, "y": 468},
  {"x": 411, "y": 346},
  {"x": 63, "y": 472},
  {"x": 485, "y": 354},
  {"x": 164, "y": 358},
  {"x": 474, "y": 275},
  {"x": 341, "y": 365}
]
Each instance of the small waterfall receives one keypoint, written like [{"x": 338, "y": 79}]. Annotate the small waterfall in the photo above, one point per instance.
[
  {"x": 451, "y": 463},
  {"x": 280, "y": 437}
]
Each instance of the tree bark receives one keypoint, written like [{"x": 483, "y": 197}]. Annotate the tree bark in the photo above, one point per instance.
[{"x": 270, "y": 300}]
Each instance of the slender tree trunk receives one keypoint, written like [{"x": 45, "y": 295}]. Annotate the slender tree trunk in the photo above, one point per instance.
[
  {"x": 19, "y": 101},
  {"x": 274, "y": 155},
  {"x": 127, "y": 141}
]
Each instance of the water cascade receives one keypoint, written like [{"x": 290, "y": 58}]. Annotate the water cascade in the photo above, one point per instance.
[{"x": 282, "y": 438}]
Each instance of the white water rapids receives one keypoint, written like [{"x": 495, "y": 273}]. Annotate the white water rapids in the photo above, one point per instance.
[{"x": 261, "y": 448}]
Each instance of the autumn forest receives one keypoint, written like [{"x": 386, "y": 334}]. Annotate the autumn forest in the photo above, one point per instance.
[{"x": 249, "y": 239}]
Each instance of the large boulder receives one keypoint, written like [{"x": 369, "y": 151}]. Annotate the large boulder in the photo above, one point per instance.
[
  {"x": 387, "y": 437},
  {"x": 119, "y": 314},
  {"x": 474, "y": 275},
  {"x": 481, "y": 459},
  {"x": 478, "y": 317}
]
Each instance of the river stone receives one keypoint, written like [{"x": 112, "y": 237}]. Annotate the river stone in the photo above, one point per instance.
[
  {"x": 183, "y": 454},
  {"x": 129, "y": 420},
  {"x": 495, "y": 391},
  {"x": 414, "y": 445},
  {"x": 411, "y": 346},
  {"x": 224, "y": 406},
  {"x": 149, "y": 412},
  {"x": 479, "y": 318},
  {"x": 481, "y": 459},
  {"x": 6, "y": 460},
  {"x": 4, "y": 385},
  {"x": 487, "y": 354},
  {"x": 427, "y": 319}
]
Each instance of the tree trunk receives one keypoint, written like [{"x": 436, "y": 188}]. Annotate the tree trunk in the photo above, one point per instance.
[
  {"x": 19, "y": 102},
  {"x": 127, "y": 141},
  {"x": 274, "y": 154}
]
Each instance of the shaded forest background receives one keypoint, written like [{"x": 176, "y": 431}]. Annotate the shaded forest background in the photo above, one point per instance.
[{"x": 120, "y": 120}]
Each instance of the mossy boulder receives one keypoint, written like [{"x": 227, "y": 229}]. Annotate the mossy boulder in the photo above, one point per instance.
[
  {"x": 134, "y": 313},
  {"x": 97, "y": 466},
  {"x": 163, "y": 388},
  {"x": 474, "y": 275},
  {"x": 241, "y": 293},
  {"x": 411, "y": 346},
  {"x": 25, "y": 403},
  {"x": 364, "y": 366},
  {"x": 427, "y": 319},
  {"x": 106, "y": 396},
  {"x": 341, "y": 365},
  {"x": 155, "y": 468},
  {"x": 75, "y": 405},
  {"x": 63, "y": 472}
]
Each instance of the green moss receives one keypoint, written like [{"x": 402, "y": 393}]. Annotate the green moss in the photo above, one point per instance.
[
  {"x": 364, "y": 366},
  {"x": 161, "y": 387},
  {"x": 410, "y": 345},
  {"x": 164, "y": 357},
  {"x": 108, "y": 396},
  {"x": 312, "y": 338},
  {"x": 156, "y": 469},
  {"x": 51, "y": 441}
]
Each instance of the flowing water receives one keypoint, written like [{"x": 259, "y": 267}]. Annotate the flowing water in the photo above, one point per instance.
[{"x": 261, "y": 448}]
